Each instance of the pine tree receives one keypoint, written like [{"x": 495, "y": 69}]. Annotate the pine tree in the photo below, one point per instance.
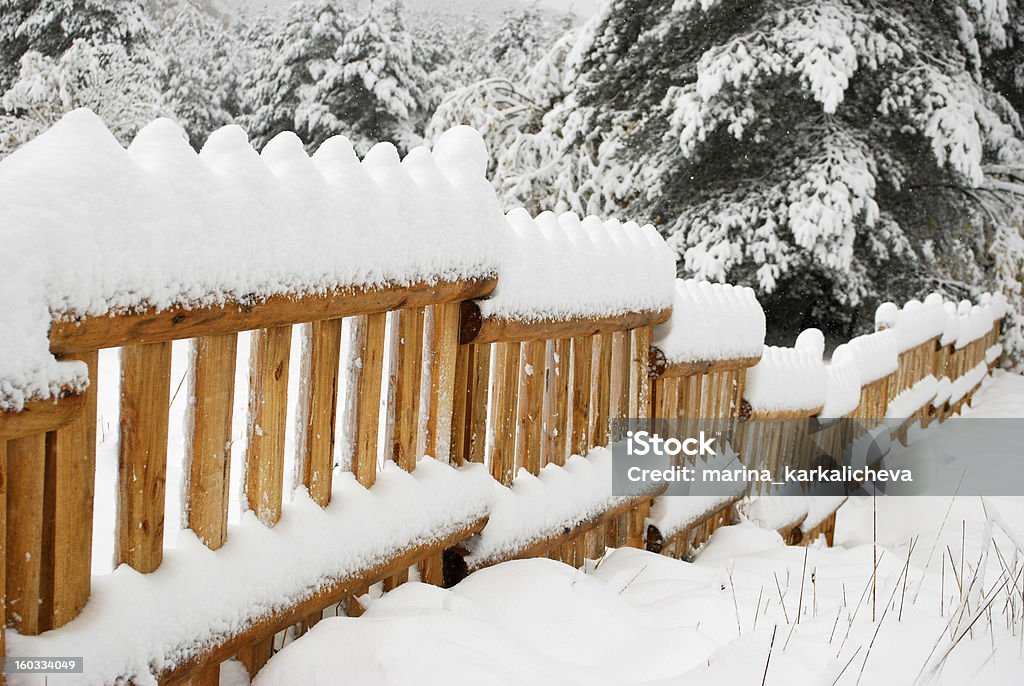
[
  {"x": 289, "y": 64},
  {"x": 121, "y": 89},
  {"x": 829, "y": 153},
  {"x": 521, "y": 39},
  {"x": 198, "y": 70},
  {"x": 50, "y": 27},
  {"x": 374, "y": 90}
]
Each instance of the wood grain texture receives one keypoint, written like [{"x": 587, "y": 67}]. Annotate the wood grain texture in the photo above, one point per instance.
[
  {"x": 475, "y": 328},
  {"x": 479, "y": 383},
  {"x": 557, "y": 421},
  {"x": 462, "y": 388},
  {"x": 148, "y": 326},
  {"x": 269, "y": 357},
  {"x": 208, "y": 437},
  {"x": 503, "y": 408},
  {"x": 409, "y": 364},
  {"x": 71, "y": 481},
  {"x": 142, "y": 455},
  {"x": 367, "y": 398},
  {"x": 40, "y": 416},
  {"x": 26, "y": 474},
  {"x": 582, "y": 370},
  {"x": 659, "y": 367},
  {"x": 602, "y": 390},
  {"x": 444, "y": 343},
  {"x": 640, "y": 378},
  {"x": 531, "y": 405},
  {"x": 620, "y": 376},
  {"x": 318, "y": 407}
]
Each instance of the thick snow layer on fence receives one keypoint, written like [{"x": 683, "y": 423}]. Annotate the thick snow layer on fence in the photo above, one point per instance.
[
  {"x": 535, "y": 508},
  {"x": 711, "y": 321},
  {"x": 557, "y": 267},
  {"x": 137, "y": 622},
  {"x": 674, "y": 513},
  {"x": 913, "y": 399},
  {"x": 877, "y": 355},
  {"x": 975, "y": 322},
  {"x": 788, "y": 378},
  {"x": 993, "y": 352},
  {"x": 776, "y": 512},
  {"x": 819, "y": 508},
  {"x": 914, "y": 323},
  {"x": 843, "y": 389},
  {"x": 962, "y": 385},
  {"x": 952, "y": 327},
  {"x": 96, "y": 228},
  {"x": 996, "y": 302}
]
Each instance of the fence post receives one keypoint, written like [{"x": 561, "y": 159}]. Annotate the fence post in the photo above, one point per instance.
[
  {"x": 318, "y": 407},
  {"x": 208, "y": 439},
  {"x": 368, "y": 390},
  {"x": 268, "y": 414},
  {"x": 26, "y": 472},
  {"x": 142, "y": 461},
  {"x": 71, "y": 478}
]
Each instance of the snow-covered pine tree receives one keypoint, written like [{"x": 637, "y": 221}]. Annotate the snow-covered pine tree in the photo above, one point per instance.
[
  {"x": 523, "y": 36},
  {"x": 453, "y": 50},
  {"x": 376, "y": 87},
  {"x": 830, "y": 153},
  {"x": 290, "y": 60},
  {"x": 198, "y": 69},
  {"x": 121, "y": 89},
  {"x": 50, "y": 27}
]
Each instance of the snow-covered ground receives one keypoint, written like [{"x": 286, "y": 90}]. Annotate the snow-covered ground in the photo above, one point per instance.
[{"x": 748, "y": 610}]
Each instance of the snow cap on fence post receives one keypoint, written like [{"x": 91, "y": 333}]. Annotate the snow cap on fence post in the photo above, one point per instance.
[
  {"x": 559, "y": 268},
  {"x": 711, "y": 322},
  {"x": 789, "y": 379}
]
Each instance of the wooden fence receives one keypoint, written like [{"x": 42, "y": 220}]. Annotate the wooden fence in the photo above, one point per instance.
[{"x": 551, "y": 388}]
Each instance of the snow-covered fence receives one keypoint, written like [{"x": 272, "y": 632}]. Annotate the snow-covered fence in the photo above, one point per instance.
[
  {"x": 556, "y": 352},
  {"x": 480, "y": 357},
  {"x": 698, "y": 363},
  {"x": 321, "y": 241}
]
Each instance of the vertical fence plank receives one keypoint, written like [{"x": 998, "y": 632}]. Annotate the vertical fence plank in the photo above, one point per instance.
[
  {"x": 506, "y": 381},
  {"x": 479, "y": 382},
  {"x": 318, "y": 407},
  {"x": 367, "y": 400},
  {"x": 444, "y": 343},
  {"x": 531, "y": 404},
  {"x": 640, "y": 390},
  {"x": 620, "y": 375},
  {"x": 71, "y": 479},
  {"x": 208, "y": 438},
  {"x": 582, "y": 362},
  {"x": 142, "y": 455},
  {"x": 255, "y": 655},
  {"x": 558, "y": 416},
  {"x": 409, "y": 363},
  {"x": 601, "y": 392},
  {"x": 268, "y": 414},
  {"x": 462, "y": 392},
  {"x": 26, "y": 470}
]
